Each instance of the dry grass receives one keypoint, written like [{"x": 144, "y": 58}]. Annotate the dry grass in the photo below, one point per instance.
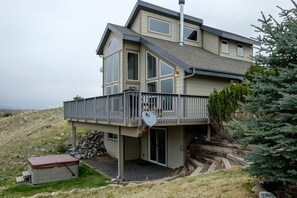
[
  {"x": 228, "y": 183},
  {"x": 27, "y": 134}
]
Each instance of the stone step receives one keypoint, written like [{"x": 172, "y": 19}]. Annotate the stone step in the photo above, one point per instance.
[
  {"x": 212, "y": 167},
  {"x": 26, "y": 174},
  {"x": 20, "y": 179}
]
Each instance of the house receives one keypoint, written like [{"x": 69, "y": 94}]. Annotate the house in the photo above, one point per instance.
[{"x": 158, "y": 71}]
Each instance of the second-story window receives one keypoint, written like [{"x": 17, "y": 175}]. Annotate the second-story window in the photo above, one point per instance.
[
  {"x": 190, "y": 34},
  {"x": 225, "y": 46},
  {"x": 132, "y": 66},
  {"x": 152, "y": 67},
  {"x": 159, "y": 26},
  {"x": 112, "y": 68},
  {"x": 239, "y": 50}
]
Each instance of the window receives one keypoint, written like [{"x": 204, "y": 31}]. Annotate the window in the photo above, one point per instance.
[
  {"x": 190, "y": 34},
  {"x": 152, "y": 66},
  {"x": 239, "y": 50},
  {"x": 112, "y": 89},
  {"x": 159, "y": 26},
  {"x": 112, "y": 136},
  {"x": 225, "y": 46},
  {"x": 152, "y": 87},
  {"x": 165, "y": 69},
  {"x": 112, "y": 46},
  {"x": 132, "y": 66},
  {"x": 112, "y": 68},
  {"x": 167, "y": 85}
]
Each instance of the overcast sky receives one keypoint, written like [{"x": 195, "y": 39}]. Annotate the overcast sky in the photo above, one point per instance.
[{"x": 47, "y": 47}]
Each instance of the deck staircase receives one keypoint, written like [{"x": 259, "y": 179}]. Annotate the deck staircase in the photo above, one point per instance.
[{"x": 25, "y": 178}]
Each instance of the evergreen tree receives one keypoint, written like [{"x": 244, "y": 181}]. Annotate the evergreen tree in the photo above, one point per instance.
[{"x": 270, "y": 122}]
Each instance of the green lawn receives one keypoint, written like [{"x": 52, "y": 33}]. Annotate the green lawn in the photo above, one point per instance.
[{"x": 88, "y": 178}]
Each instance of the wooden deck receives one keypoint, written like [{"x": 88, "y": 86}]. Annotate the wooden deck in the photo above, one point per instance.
[{"x": 125, "y": 109}]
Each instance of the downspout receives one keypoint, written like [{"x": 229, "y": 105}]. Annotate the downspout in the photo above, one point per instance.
[{"x": 189, "y": 76}]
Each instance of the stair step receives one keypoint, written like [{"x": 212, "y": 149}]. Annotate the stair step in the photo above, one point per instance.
[
  {"x": 197, "y": 171},
  {"x": 26, "y": 174},
  {"x": 238, "y": 159},
  {"x": 212, "y": 167},
  {"x": 20, "y": 179},
  {"x": 226, "y": 163}
]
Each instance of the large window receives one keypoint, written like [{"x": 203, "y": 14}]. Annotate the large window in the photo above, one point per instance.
[
  {"x": 167, "y": 85},
  {"x": 112, "y": 46},
  {"x": 132, "y": 66},
  {"x": 112, "y": 68},
  {"x": 152, "y": 86},
  {"x": 190, "y": 34},
  {"x": 152, "y": 67},
  {"x": 239, "y": 50},
  {"x": 225, "y": 46},
  {"x": 165, "y": 69},
  {"x": 159, "y": 26}
]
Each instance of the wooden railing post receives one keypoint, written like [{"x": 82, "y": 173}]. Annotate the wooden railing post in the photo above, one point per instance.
[
  {"x": 139, "y": 109},
  {"x": 178, "y": 108},
  {"x": 125, "y": 110},
  {"x": 108, "y": 118}
]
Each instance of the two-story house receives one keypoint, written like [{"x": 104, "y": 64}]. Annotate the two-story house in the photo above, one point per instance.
[{"x": 158, "y": 71}]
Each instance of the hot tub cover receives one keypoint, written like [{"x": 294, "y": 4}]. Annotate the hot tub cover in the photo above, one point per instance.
[{"x": 52, "y": 161}]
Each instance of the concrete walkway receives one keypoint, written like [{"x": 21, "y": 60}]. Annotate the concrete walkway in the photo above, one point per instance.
[{"x": 134, "y": 170}]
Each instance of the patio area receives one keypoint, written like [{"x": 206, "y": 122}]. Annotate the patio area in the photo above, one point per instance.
[{"x": 134, "y": 170}]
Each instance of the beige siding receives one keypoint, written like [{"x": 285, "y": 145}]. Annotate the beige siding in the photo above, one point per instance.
[
  {"x": 248, "y": 51},
  {"x": 132, "y": 146},
  {"x": 144, "y": 147},
  {"x": 142, "y": 56},
  {"x": 180, "y": 81},
  {"x": 130, "y": 47},
  {"x": 210, "y": 42},
  {"x": 136, "y": 24},
  {"x": 174, "y": 36},
  {"x": 175, "y": 145},
  {"x": 203, "y": 86},
  {"x": 111, "y": 146}
]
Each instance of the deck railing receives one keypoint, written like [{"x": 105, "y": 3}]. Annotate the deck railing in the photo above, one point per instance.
[{"x": 125, "y": 109}]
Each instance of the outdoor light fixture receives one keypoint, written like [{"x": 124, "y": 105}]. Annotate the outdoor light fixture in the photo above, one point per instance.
[{"x": 176, "y": 73}]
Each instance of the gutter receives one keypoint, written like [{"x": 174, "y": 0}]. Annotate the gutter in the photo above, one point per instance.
[{"x": 191, "y": 75}]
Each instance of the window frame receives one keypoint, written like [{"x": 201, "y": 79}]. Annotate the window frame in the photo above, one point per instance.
[
  {"x": 228, "y": 46},
  {"x": 172, "y": 84},
  {"x": 138, "y": 76},
  {"x": 237, "y": 45},
  {"x": 161, "y": 20},
  {"x": 113, "y": 138},
  {"x": 191, "y": 29},
  {"x": 160, "y": 68},
  {"x": 157, "y": 66},
  {"x": 112, "y": 68},
  {"x": 152, "y": 81}
]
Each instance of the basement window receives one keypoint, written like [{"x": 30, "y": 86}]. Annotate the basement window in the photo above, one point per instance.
[
  {"x": 112, "y": 136},
  {"x": 225, "y": 46}
]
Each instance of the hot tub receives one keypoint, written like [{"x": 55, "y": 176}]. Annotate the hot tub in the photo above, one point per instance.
[{"x": 53, "y": 168}]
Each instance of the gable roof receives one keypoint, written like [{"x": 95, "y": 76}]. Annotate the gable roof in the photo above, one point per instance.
[
  {"x": 190, "y": 58},
  {"x": 141, "y": 5}
]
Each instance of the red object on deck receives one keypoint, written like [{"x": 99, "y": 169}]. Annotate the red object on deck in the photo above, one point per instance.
[{"x": 52, "y": 161}]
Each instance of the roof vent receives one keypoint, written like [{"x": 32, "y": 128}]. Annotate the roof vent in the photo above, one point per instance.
[{"x": 181, "y": 23}]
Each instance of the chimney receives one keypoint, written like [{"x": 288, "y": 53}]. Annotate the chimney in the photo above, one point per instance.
[{"x": 181, "y": 24}]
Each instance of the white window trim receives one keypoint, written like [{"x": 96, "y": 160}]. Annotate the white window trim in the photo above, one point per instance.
[
  {"x": 112, "y": 139},
  {"x": 197, "y": 34},
  {"x": 227, "y": 45},
  {"x": 160, "y": 68},
  {"x": 157, "y": 62},
  {"x": 138, "y": 66},
  {"x": 151, "y": 82},
  {"x": 149, "y": 25},
  {"x": 172, "y": 84},
  {"x": 242, "y": 50},
  {"x": 105, "y": 62}
]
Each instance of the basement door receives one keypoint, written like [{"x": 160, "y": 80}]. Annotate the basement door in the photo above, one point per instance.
[{"x": 158, "y": 146}]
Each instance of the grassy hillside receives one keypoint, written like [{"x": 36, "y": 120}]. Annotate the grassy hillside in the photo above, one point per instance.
[
  {"x": 45, "y": 132},
  {"x": 27, "y": 134}
]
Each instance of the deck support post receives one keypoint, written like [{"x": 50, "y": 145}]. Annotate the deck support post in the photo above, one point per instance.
[
  {"x": 208, "y": 132},
  {"x": 73, "y": 130},
  {"x": 120, "y": 155}
]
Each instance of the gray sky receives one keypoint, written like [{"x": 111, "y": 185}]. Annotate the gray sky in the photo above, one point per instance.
[{"x": 47, "y": 47}]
